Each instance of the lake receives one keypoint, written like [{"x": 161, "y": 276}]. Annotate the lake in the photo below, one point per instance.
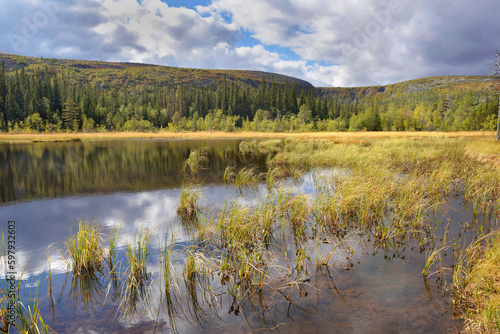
[{"x": 134, "y": 187}]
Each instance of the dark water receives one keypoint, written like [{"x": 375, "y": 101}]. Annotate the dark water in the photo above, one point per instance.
[
  {"x": 45, "y": 170},
  {"x": 47, "y": 188}
]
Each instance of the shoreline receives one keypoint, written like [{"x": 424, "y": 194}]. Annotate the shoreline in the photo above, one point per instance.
[{"x": 205, "y": 135}]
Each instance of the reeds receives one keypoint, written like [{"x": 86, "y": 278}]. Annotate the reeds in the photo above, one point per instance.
[
  {"x": 85, "y": 256},
  {"x": 113, "y": 239},
  {"x": 24, "y": 316},
  {"x": 137, "y": 256},
  {"x": 384, "y": 196},
  {"x": 435, "y": 254},
  {"x": 30, "y": 320},
  {"x": 247, "y": 177},
  {"x": 136, "y": 289},
  {"x": 197, "y": 158},
  {"x": 188, "y": 207},
  {"x": 476, "y": 285},
  {"x": 85, "y": 253}
]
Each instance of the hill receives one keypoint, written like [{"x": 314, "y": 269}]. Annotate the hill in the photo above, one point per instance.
[
  {"x": 441, "y": 84},
  {"x": 39, "y": 94},
  {"x": 115, "y": 74}
]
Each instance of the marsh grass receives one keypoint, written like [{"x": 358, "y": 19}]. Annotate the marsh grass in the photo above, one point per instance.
[
  {"x": 188, "y": 208},
  {"x": 482, "y": 188},
  {"x": 197, "y": 158},
  {"x": 436, "y": 254},
  {"x": 248, "y": 147},
  {"x": 29, "y": 319},
  {"x": 247, "y": 177},
  {"x": 113, "y": 239},
  {"x": 136, "y": 281},
  {"x": 196, "y": 273},
  {"x": 52, "y": 301},
  {"x": 476, "y": 285},
  {"x": 137, "y": 256},
  {"x": 337, "y": 137},
  {"x": 170, "y": 287},
  {"x": 273, "y": 175},
  {"x": 298, "y": 213},
  {"x": 386, "y": 194},
  {"x": 383, "y": 197},
  {"x": 85, "y": 254},
  {"x": 112, "y": 263}
]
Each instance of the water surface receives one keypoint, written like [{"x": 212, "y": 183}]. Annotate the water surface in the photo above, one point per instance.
[{"x": 48, "y": 188}]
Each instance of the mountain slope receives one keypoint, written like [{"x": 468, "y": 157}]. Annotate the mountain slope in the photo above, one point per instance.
[
  {"x": 113, "y": 74},
  {"x": 442, "y": 84}
]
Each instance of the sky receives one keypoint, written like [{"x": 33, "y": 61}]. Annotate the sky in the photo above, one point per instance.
[{"x": 337, "y": 43}]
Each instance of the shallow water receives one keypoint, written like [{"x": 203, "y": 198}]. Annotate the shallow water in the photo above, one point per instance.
[{"x": 47, "y": 188}]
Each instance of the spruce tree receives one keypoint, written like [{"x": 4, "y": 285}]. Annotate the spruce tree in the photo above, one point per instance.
[
  {"x": 70, "y": 115},
  {"x": 3, "y": 88}
]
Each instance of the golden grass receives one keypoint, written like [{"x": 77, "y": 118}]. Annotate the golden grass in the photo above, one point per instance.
[
  {"x": 484, "y": 150},
  {"x": 477, "y": 285},
  {"x": 341, "y": 136},
  {"x": 86, "y": 255}
]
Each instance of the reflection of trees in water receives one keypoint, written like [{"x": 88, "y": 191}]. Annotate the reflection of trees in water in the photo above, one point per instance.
[{"x": 44, "y": 170}]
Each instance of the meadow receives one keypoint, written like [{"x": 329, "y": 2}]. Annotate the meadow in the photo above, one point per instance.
[{"x": 167, "y": 135}]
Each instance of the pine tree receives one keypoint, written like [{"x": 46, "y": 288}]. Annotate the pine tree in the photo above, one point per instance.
[
  {"x": 3, "y": 88},
  {"x": 12, "y": 109},
  {"x": 70, "y": 115}
]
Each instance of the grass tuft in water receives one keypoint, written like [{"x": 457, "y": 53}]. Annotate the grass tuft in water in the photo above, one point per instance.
[
  {"x": 247, "y": 177},
  {"x": 196, "y": 160},
  {"x": 188, "y": 204},
  {"x": 135, "y": 288},
  {"x": 84, "y": 249}
]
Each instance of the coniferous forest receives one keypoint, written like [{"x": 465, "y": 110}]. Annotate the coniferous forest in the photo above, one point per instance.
[{"x": 49, "y": 95}]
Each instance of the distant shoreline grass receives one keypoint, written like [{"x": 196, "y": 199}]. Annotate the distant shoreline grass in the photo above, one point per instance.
[{"x": 340, "y": 136}]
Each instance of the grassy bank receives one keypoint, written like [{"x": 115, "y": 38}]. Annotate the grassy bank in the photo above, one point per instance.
[
  {"x": 476, "y": 282},
  {"x": 340, "y": 136}
]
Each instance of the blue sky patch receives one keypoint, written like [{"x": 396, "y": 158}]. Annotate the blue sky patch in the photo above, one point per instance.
[{"x": 191, "y": 4}]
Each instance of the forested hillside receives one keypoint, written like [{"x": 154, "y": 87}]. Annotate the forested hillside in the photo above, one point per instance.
[{"x": 38, "y": 94}]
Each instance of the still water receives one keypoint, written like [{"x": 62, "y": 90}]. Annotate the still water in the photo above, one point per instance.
[{"x": 136, "y": 185}]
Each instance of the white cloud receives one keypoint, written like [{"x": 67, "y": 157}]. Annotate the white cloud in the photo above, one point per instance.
[
  {"x": 374, "y": 41},
  {"x": 341, "y": 43}
]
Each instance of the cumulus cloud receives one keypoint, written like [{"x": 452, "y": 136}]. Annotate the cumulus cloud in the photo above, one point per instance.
[
  {"x": 111, "y": 30},
  {"x": 336, "y": 43},
  {"x": 374, "y": 41}
]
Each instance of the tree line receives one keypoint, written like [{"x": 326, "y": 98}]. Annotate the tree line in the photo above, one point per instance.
[{"x": 44, "y": 100}]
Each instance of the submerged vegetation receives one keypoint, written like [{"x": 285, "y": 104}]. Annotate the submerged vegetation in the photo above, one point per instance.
[
  {"x": 374, "y": 195},
  {"x": 24, "y": 316}
]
